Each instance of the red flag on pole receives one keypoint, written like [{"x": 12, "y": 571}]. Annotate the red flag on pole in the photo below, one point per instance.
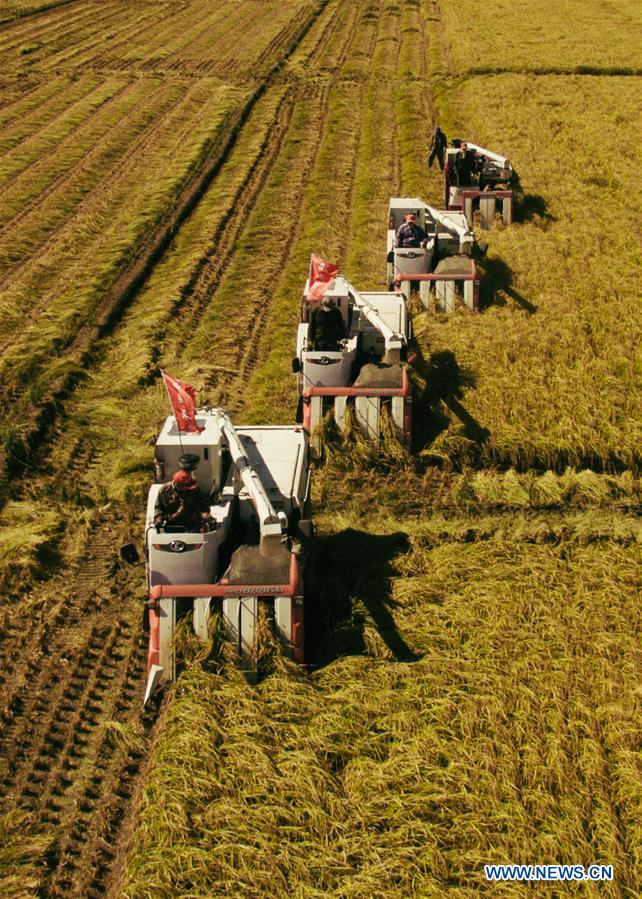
[
  {"x": 183, "y": 400},
  {"x": 321, "y": 275}
]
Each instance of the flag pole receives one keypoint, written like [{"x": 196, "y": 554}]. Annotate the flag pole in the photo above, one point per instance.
[{"x": 169, "y": 397}]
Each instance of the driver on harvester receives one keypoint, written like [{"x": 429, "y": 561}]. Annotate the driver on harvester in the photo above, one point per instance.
[
  {"x": 410, "y": 234},
  {"x": 181, "y": 501},
  {"x": 327, "y": 327}
]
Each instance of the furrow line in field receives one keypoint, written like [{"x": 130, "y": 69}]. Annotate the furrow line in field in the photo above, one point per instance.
[
  {"x": 81, "y": 168},
  {"x": 131, "y": 33},
  {"x": 28, "y": 129},
  {"x": 200, "y": 289},
  {"x": 50, "y": 29},
  {"x": 36, "y": 11}
]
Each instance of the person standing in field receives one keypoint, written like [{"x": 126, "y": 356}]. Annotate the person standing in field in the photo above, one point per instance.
[
  {"x": 438, "y": 145},
  {"x": 327, "y": 327},
  {"x": 465, "y": 165}
]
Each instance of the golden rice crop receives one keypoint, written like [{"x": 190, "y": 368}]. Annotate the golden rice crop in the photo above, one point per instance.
[
  {"x": 547, "y": 36},
  {"x": 478, "y": 629},
  {"x": 553, "y": 363},
  {"x": 510, "y": 738}
]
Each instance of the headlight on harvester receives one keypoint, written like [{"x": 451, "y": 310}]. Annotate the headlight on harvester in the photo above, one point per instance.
[{"x": 176, "y": 546}]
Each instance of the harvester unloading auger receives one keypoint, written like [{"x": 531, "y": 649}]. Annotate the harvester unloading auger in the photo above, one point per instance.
[
  {"x": 440, "y": 264},
  {"x": 366, "y": 369},
  {"x": 250, "y": 547},
  {"x": 477, "y": 178}
]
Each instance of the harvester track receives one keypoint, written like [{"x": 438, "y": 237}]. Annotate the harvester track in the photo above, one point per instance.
[
  {"x": 207, "y": 276},
  {"x": 74, "y": 731}
]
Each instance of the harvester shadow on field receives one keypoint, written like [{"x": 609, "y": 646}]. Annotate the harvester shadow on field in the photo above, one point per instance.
[
  {"x": 498, "y": 280},
  {"x": 352, "y": 583},
  {"x": 530, "y": 207},
  {"x": 444, "y": 384}
]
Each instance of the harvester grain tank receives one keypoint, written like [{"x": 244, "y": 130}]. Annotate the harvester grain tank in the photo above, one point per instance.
[
  {"x": 366, "y": 371},
  {"x": 477, "y": 178},
  {"x": 250, "y": 549},
  {"x": 442, "y": 266}
]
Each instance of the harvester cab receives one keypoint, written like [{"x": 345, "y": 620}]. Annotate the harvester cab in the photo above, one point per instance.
[
  {"x": 249, "y": 548},
  {"x": 478, "y": 179},
  {"x": 442, "y": 266},
  {"x": 366, "y": 370}
]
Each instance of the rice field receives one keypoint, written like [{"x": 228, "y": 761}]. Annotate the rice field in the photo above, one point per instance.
[
  {"x": 589, "y": 38},
  {"x": 165, "y": 172},
  {"x": 493, "y": 719}
]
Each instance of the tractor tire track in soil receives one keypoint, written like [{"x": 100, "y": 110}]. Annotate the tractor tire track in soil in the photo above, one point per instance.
[
  {"x": 73, "y": 733},
  {"x": 199, "y": 290}
]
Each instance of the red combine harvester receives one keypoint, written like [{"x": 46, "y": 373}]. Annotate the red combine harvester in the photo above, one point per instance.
[
  {"x": 365, "y": 369},
  {"x": 248, "y": 545},
  {"x": 440, "y": 264},
  {"x": 477, "y": 178}
]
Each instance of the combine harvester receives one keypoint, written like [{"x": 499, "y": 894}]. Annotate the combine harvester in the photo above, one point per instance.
[
  {"x": 441, "y": 265},
  {"x": 249, "y": 545},
  {"x": 477, "y": 178},
  {"x": 366, "y": 369}
]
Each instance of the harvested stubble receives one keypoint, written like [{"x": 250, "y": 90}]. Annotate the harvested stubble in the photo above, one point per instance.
[
  {"x": 194, "y": 38},
  {"x": 63, "y": 284},
  {"x": 512, "y": 738},
  {"x": 21, "y": 852}
]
